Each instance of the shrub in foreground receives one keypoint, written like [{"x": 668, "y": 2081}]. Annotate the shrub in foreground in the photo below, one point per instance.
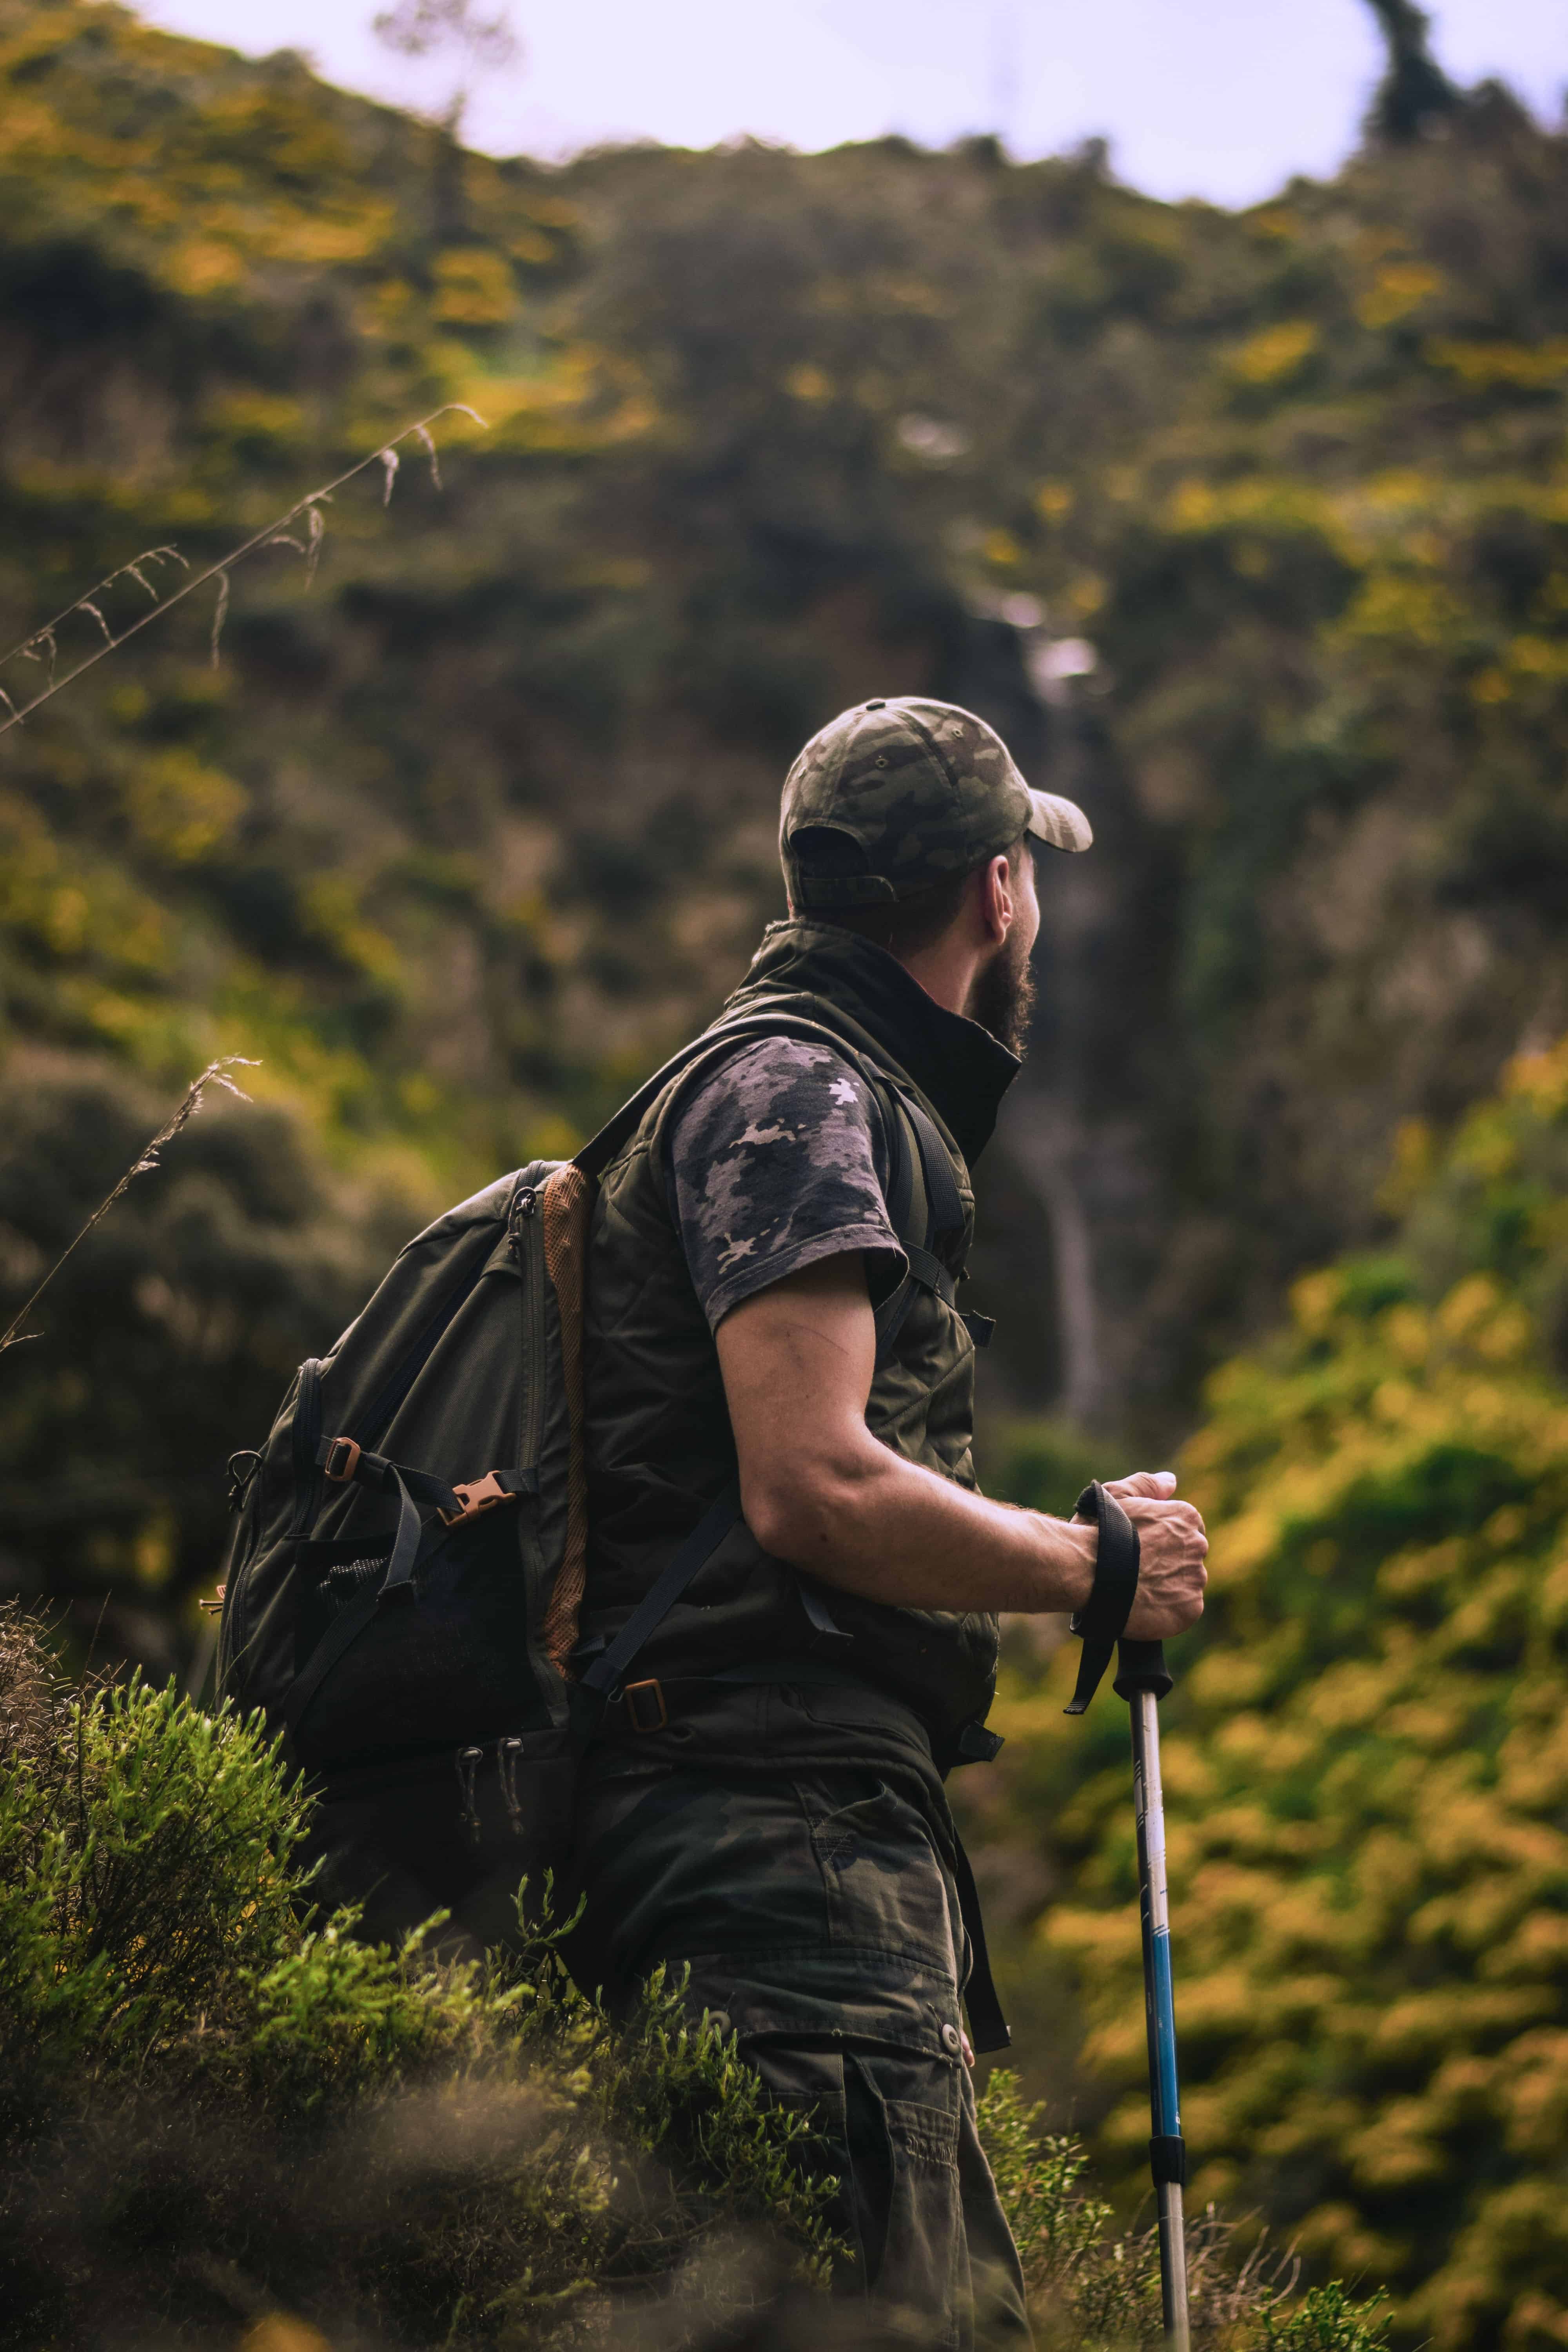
[{"x": 217, "y": 2108}]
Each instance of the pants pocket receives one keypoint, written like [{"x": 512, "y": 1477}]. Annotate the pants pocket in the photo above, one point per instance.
[
  {"x": 810, "y": 2082},
  {"x": 925, "y": 2265},
  {"x": 885, "y": 1889},
  {"x": 915, "y": 2205},
  {"x": 897, "y": 2206}
]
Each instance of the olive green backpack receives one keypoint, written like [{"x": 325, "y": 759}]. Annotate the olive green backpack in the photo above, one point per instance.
[{"x": 402, "y": 1589}]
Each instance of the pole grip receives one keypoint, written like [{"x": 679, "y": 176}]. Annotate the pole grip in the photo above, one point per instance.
[{"x": 1140, "y": 1666}]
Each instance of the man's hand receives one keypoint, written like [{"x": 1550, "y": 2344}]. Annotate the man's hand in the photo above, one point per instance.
[{"x": 1172, "y": 1548}]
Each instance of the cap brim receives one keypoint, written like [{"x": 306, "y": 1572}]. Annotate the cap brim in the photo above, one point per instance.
[{"x": 1061, "y": 823}]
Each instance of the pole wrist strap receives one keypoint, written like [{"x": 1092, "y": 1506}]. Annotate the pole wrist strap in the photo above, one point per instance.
[{"x": 1100, "y": 1620}]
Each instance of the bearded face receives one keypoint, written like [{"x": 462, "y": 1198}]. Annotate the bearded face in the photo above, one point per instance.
[{"x": 1002, "y": 997}]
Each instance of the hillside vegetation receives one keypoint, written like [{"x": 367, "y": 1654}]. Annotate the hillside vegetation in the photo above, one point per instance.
[
  {"x": 1366, "y": 1761},
  {"x": 461, "y": 835}
]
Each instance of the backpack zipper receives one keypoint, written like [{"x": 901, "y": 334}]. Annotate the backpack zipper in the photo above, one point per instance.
[{"x": 528, "y": 1248}]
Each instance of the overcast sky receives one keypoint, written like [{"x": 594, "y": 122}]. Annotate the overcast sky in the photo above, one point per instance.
[{"x": 1224, "y": 98}]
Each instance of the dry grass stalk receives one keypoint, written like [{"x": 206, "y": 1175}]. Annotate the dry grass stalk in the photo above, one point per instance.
[
  {"x": 43, "y": 643},
  {"x": 216, "y": 1074}
]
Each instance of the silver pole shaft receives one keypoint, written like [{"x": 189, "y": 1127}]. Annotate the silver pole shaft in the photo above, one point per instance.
[{"x": 1160, "y": 2007}]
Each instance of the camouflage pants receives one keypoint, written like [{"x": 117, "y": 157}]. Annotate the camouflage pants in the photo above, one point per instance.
[{"x": 820, "y": 1926}]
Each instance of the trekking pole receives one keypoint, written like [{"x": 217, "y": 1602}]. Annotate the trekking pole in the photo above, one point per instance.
[{"x": 1143, "y": 1678}]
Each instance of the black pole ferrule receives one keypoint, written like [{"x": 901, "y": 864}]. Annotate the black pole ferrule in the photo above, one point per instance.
[
  {"x": 1099, "y": 1621},
  {"x": 1140, "y": 1666},
  {"x": 1168, "y": 2159}
]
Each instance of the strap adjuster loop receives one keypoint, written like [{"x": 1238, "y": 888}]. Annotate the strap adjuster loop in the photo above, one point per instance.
[
  {"x": 339, "y": 1460},
  {"x": 642, "y": 1700}
]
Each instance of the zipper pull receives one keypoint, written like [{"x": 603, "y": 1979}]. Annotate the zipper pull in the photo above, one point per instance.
[
  {"x": 506, "y": 1756},
  {"x": 523, "y": 1206},
  {"x": 468, "y": 1761}
]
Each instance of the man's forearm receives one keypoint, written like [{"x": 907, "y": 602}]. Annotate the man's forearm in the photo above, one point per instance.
[
  {"x": 819, "y": 1491},
  {"x": 874, "y": 1524}
]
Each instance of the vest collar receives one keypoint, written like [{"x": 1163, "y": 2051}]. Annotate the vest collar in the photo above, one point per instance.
[{"x": 958, "y": 1065}]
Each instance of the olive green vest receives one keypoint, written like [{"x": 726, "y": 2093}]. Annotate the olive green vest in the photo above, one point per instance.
[{"x": 659, "y": 1447}]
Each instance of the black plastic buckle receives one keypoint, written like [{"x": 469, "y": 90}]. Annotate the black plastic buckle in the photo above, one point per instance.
[{"x": 640, "y": 1705}]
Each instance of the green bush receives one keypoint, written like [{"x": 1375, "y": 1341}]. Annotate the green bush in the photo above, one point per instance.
[
  {"x": 216, "y": 2105},
  {"x": 213, "y": 2098}
]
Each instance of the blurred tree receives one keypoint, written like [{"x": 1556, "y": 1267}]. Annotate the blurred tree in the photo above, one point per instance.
[
  {"x": 483, "y": 44},
  {"x": 1414, "y": 91},
  {"x": 417, "y": 29}
]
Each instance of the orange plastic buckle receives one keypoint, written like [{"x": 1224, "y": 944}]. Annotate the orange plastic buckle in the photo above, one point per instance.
[
  {"x": 341, "y": 1462},
  {"x": 639, "y": 1714},
  {"x": 479, "y": 1495}
]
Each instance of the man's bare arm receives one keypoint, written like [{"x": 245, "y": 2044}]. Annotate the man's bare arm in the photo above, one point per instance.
[{"x": 820, "y": 1491}]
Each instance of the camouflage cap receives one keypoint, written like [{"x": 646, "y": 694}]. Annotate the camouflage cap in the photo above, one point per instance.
[{"x": 925, "y": 789}]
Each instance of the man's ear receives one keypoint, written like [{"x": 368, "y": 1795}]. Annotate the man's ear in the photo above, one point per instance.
[{"x": 998, "y": 899}]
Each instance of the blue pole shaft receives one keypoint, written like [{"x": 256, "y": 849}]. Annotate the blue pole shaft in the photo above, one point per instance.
[{"x": 1160, "y": 2008}]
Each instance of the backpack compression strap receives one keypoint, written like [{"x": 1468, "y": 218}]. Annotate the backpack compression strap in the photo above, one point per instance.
[{"x": 344, "y": 1464}]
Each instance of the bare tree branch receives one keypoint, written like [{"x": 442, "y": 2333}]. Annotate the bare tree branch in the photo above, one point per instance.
[
  {"x": 216, "y": 1074},
  {"x": 30, "y": 647}
]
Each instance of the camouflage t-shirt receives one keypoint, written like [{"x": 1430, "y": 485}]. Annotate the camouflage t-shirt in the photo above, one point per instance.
[{"x": 777, "y": 1159}]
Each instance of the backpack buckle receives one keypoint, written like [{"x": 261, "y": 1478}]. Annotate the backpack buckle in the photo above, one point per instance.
[
  {"x": 642, "y": 1700},
  {"x": 341, "y": 1461},
  {"x": 476, "y": 1496}
]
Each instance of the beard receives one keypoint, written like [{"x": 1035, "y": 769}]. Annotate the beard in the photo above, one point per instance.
[{"x": 1002, "y": 997}]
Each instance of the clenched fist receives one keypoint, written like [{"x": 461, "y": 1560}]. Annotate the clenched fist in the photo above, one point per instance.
[{"x": 1172, "y": 1548}]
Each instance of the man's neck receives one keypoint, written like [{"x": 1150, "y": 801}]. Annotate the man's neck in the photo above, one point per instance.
[
  {"x": 960, "y": 1067},
  {"x": 946, "y": 971}
]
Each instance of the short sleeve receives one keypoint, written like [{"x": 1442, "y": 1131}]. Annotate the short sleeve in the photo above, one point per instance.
[{"x": 777, "y": 1159}]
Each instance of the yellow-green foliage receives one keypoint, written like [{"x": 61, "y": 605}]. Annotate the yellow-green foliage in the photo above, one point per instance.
[
  {"x": 1367, "y": 1764},
  {"x": 215, "y": 2102}
]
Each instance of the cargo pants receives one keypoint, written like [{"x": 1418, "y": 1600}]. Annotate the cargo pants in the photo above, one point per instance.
[{"x": 807, "y": 1897}]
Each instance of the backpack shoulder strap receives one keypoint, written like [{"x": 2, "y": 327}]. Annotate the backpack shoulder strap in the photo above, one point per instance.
[{"x": 710, "y": 1046}]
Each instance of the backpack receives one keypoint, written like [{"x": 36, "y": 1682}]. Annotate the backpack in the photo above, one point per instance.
[{"x": 402, "y": 1589}]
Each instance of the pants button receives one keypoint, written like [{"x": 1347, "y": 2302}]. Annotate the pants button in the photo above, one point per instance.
[{"x": 950, "y": 2039}]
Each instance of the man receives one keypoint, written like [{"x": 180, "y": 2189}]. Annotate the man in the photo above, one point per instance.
[{"x": 771, "y": 1294}]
